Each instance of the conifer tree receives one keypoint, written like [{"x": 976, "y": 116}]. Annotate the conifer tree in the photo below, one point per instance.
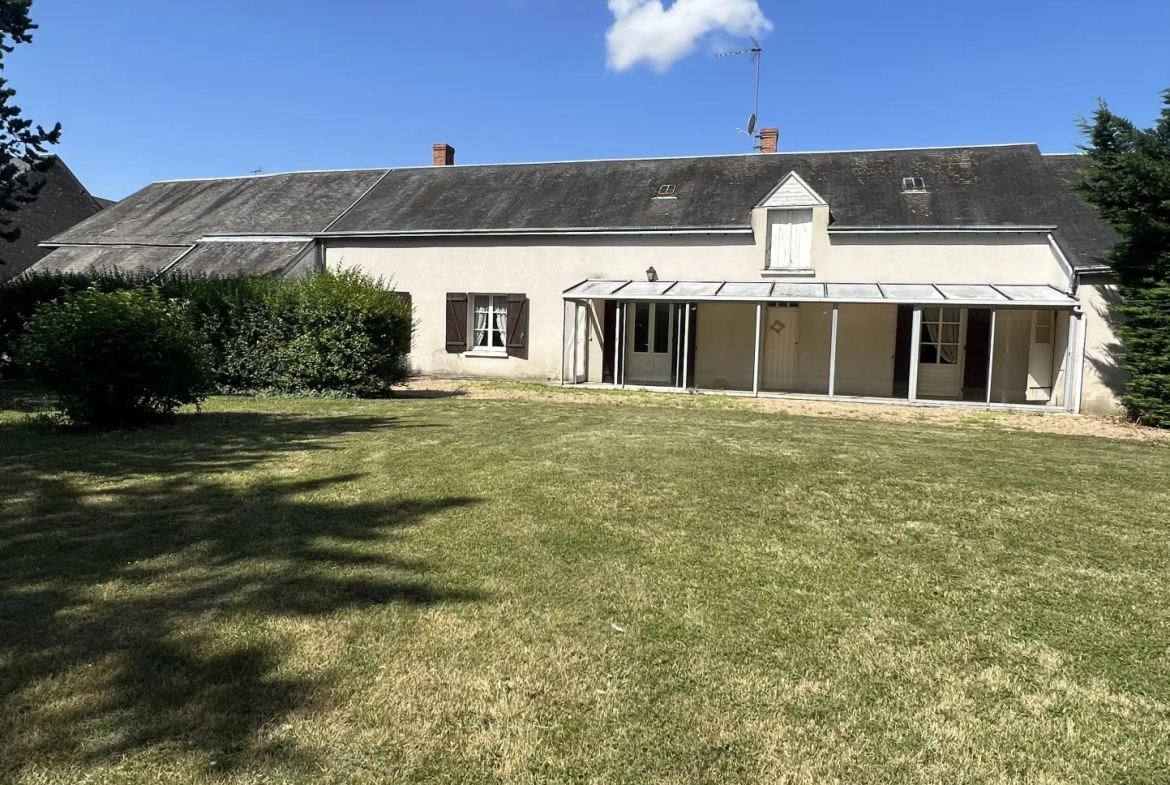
[
  {"x": 1129, "y": 182},
  {"x": 23, "y": 145}
]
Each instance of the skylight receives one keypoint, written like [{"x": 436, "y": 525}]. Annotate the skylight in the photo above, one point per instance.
[
  {"x": 665, "y": 190},
  {"x": 913, "y": 184}
]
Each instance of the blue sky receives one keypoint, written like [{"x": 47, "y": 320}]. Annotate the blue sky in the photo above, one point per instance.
[{"x": 152, "y": 90}]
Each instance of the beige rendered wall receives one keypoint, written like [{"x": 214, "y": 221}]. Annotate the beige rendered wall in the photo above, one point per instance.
[
  {"x": 866, "y": 337},
  {"x": 725, "y": 346},
  {"x": 542, "y": 268},
  {"x": 1103, "y": 377},
  {"x": 959, "y": 258}
]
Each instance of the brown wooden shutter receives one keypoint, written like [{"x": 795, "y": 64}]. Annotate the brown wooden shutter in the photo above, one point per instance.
[
  {"x": 609, "y": 342},
  {"x": 456, "y": 322},
  {"x": 406, "y": 298},
  {"x": 902, "y": 350},
  {"x": 518, "y": 325},
  {"x": 978, "y": 353}
]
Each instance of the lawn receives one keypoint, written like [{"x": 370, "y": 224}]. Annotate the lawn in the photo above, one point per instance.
[{"x": 540, "y": 590}]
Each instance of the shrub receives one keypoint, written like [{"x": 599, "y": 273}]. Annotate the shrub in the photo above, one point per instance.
[
  {"x": 327, "y": 333},
  {"x": 116, "y": 359},
  {"x": 20, "y": 297},
  {"x": 343, "y": 333}
]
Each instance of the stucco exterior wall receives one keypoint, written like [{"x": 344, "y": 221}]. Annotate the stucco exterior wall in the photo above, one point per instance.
[
  {"x": 725, "y": 346},
  {"x": 1103, "y": 378},
  {"x": 989, "y": 258},
  {"x": 866, "y": 338},
  {"x": 542, "y": 268}
]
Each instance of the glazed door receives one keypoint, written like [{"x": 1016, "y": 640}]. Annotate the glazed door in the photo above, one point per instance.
[{"x": 651, "y": 332}]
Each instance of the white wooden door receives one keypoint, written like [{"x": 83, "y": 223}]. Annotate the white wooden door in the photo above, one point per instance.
[
  {"x": 651, "y": 332},
  {"x": 1040, "y": 356},
  {"x": 940, "y": 353},
  {"x": 781, "y": 334}
]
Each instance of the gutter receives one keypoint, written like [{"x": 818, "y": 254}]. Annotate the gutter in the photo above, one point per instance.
[
  {"x": 973, "y": 229},
  {"x": 552, "y": 232}
]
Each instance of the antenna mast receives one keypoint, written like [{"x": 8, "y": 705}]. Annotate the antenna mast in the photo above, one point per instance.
[{"x": 756, "y": 53}]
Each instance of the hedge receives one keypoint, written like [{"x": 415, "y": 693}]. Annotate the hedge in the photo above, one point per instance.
[
  {"x": 117, "y": 359},
  {"x": 329, "y": 333}
]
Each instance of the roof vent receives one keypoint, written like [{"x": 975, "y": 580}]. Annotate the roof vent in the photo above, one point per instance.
[
  {"x": 912, "y": 184},
  {"x": 665, "y": 191}
]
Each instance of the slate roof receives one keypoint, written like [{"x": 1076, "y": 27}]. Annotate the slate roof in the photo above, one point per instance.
[
  {"x": 129, "y": 258},
  {"x": 994, "y": 186},
  {"x": 61, "y": 203},
  {"x": 180, "y": 212},
  {"x": 235, "y": 258},
  {"x": 1085, "y": 236}
]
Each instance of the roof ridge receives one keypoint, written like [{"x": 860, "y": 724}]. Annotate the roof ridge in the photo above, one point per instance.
[{"x": 781, "y": 154}]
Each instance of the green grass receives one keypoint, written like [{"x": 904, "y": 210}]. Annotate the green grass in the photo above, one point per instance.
[{"x": 459, "y": 590}]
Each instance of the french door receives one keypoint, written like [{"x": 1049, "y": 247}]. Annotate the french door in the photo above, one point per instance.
[
  {"x": 940, "y": 353},
  {"x": 651, "y": 331}
]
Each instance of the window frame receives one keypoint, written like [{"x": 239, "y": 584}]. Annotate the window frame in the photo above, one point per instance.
[
  {"x": 497, "y": 304},
  {"x": 789, "y": 260},
  {"x": 937, "y": 344}
]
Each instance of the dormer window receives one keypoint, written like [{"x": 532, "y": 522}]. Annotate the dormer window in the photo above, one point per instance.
[{"x": 790, "y": 239}]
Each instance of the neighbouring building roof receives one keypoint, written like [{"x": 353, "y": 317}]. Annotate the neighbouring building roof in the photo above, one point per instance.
[
  {"x": 1002, "y": 187},
  {"x": 62, "y": 202}
]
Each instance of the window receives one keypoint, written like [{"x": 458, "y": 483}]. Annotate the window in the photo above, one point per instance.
[
  {"x": 913, "y": 184},
  {"x": 790, "y": 239},
  {"x": 661, "y": 328},
  {"x": 940, "y": 336},
  {"x": 490, "y": 323},
  {"x": 1045, "y": 324},
  {"x": 642, "y": 327},
  {"x": 665, "y": 191}
]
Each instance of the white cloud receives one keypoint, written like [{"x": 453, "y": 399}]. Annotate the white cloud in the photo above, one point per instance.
[{"x": 646, "y": 31}]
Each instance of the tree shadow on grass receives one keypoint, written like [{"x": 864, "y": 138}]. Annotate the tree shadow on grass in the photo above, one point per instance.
[{"x": 141, "y": 574}]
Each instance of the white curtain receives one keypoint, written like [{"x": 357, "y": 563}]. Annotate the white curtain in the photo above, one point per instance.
[
  {"x": 481, "y": 324},
  {"x": 502, "y": 324},
  {"x": 948, "y": 352}
]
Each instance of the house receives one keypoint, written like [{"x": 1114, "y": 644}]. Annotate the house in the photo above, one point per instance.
[
  {"x": 62, "y": 202},
  {"x": 957, "y": 276}
]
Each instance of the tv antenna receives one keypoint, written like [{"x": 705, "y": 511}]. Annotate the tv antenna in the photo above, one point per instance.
[
  {"x": 755, "y": 52},
  {"x": 256, "y": 171}
]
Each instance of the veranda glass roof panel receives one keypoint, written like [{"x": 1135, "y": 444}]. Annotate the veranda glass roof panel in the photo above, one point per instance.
[
  {"x": 808, "y": 291},
  {"x": 646, "y": 288},
  {"x": 596, "y": 287},
  {"x": 921, "y": 292},
  {"x": 695, "y": 288},
  {"x": 1033, "y": 293},
  {"x": 969, "y": 292},
  {"x": 733, "y": 289},
  {"x": 853, "y": 291}
]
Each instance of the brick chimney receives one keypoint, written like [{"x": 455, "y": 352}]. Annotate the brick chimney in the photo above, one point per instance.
[
  {"x": 445, "y": 155},
  {"x": 769, "y": 140}
]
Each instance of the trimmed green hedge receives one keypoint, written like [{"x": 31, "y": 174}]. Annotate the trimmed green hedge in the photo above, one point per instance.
[
  {"x": 117, "y": 359},
  {"x": 329, "y": 333}
]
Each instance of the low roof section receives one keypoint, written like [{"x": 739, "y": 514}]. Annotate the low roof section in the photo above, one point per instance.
[
  {"x": 233, "y": 257},
  {"x": 183, "y": 212},
  {"x": 954, "y": 295}
]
